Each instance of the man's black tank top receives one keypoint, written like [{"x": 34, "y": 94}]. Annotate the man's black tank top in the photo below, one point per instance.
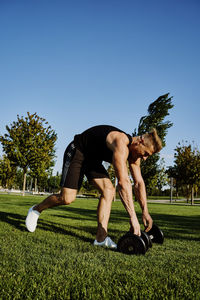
[{"x": 92, "y": 142}]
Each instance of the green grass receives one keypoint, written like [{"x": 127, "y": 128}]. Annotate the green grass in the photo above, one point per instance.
[{"x": 58, "y": 260}]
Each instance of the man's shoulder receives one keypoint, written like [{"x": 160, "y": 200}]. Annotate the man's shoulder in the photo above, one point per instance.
[{"x": 117, "y": 141}]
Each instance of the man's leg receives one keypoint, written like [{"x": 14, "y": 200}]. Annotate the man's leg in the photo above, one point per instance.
[
  {"x": 65, "y": 197},
  {"x": 107, "y": 191}
]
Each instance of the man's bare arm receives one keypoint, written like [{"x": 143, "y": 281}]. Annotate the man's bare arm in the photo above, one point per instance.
[
  {"x": 140, "y": 193},
  {"x": 120, "y": 155}
]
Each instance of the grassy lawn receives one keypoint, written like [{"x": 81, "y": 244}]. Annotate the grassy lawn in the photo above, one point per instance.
[{"x": 58, "y": 260}]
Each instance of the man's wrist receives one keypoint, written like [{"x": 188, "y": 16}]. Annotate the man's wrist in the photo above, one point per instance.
[{"x": 145, "y": 210}]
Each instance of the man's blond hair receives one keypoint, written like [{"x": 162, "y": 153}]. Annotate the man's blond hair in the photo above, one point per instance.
[{"x": 152, "y": 138}]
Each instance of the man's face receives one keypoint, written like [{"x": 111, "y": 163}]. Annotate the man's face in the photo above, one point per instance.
[{"x": 141, "y": 151}]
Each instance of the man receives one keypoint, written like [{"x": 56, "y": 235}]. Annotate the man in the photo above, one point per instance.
[{"x": 84, "y": 156}]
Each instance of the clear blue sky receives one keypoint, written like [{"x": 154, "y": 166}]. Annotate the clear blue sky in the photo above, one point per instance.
[{"x": 82, "y": 63}]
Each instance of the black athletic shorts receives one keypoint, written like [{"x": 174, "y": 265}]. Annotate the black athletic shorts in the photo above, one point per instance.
[{"x": 75, "y": 166}]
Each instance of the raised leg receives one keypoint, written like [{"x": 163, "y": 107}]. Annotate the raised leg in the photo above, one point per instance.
[{"x": 65, "y": 197}]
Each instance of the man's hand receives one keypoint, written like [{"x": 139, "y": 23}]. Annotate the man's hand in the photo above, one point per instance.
[
  {"x": 147, "y": 221},
  {"x": 135, "y": 226}
]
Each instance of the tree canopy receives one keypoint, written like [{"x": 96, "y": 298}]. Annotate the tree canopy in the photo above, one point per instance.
[
  {"x": 187, "y": 164},
  {"x": 157, "y": 112},
  {"x": 186, "y": 168},
  {"x": 29, "y": 144},
  {"x": 7, "y": 172}
]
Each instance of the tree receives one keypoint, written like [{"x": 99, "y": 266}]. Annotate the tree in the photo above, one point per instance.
[
  {"x": 187, "y": 166},
  {"x": 53, "y": 182},
  {"x": 157, "y": 111},
  {"x": 173, "y": 175},
  {"x": 40, "y": 172},
  {"x": 159, "y": 181},
  {"x": 7, "y": 172},
  {"x": 29, "y": 144}
]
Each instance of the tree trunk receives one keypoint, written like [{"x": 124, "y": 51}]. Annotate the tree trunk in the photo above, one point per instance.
[
  {"x": 35, "y": 185},
  {"x": 171, "y": 189},
  {"x": 24, "y": 184},
  {"x": 192, "y": 195},
  {"x": 31, "y": 185},
  {"x": 176, "y": 194}
]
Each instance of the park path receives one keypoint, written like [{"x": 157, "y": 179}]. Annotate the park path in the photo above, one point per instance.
[{"x": 174, "y": 201}]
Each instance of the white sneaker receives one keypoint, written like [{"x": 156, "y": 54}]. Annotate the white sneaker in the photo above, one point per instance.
[
  {"x": 106, "y": 243},
  {"x": 31, "y": 219}
]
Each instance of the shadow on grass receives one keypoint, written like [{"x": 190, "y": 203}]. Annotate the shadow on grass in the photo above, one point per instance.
[
  {"x": 13, "y": 219},
  {"x": 173, "y": 226},
  {"x": 76, "y": 213},
  {"x": 69, "y": 230},
  {"x": 179, "y": 227},
  {"x": 18, "y": 221}
]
